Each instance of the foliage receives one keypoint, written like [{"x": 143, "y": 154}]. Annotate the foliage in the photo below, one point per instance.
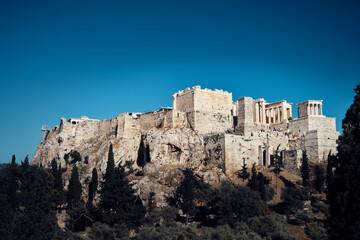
[
  {"x": 302, "y": 217},
  {"x": 168, "y": 233},
  {"x": 270, "y": 227},
  {"x": 344, "y": 193},
  {"x": 39, "y": 218},
  {"x": 166, "y": 215},
  {"x": 231, "y": 203},
  {"x": 224, "y": 232},
  {"x": 316, "y": 231},
  {"x": 191, "y": 192},
  {"x": 120, "y": 204},
  {"x": 294, "y": 199},
  {"x": 305, "y": 169},
  {"x": 100, "y": 231}
]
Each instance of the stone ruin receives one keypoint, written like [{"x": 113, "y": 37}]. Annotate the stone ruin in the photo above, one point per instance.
[{"x": 229, "y": 132}]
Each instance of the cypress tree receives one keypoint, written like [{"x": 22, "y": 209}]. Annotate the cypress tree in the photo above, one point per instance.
[
  {"x": 106, "y": 198},
  {"x": 344, "y": 196},
  {"x": 305, "y": 170},
  {"x": 74, "y": 189},
  {"x": 93, "y": 186},
  {"x": 262, "y": 188},
  {"x": 329, "y": 171},
  {"x": 25, "y": 164},
  {"x": 58, "y": 184},
  {"x": 319, "y": 178},
  {"x": 243, "y": 174},
  {"x": 13, "y": 160},
  {"x": 254, "y": 179}
]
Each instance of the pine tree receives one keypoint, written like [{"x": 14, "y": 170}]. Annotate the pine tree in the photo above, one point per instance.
[
  {"x": 253, "y": 183},
  {"x": 262, "y": 188},
  {"x": 243, "y": 174},
  {"x": 344, "y": 194},
  {"x": 93, "y": 186},
  {"x": 74, "y": 189},
  {"x": 305, "y": 170}
]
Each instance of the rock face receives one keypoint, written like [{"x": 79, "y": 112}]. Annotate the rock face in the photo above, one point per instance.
[{"x": 159, "y": 153}]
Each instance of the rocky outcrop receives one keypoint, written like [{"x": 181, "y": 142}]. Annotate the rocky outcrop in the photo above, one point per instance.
[{"x": 157, "y": 153}]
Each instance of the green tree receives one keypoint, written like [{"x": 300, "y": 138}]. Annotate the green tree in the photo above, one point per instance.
[
  {"x": 122, "y": 205},
  {"x": 191, "y": 194},
  {"x": 231, "y": 203},
  {"x": 38, "y": 221},
  {"x": 294, "y": 199},
  {"x": 74, "y": 189},
  {"x": 345, "y": 192},
  {"x": 93, "y": 186},
  {"x": 243, "y": 174},
  {"x": 305, "y": 170}
]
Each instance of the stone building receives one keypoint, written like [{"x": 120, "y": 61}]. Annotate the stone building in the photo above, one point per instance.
[{"x": 229, "y": 132}]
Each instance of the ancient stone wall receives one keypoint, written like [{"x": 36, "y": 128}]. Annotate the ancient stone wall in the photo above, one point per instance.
[
  {"x": 320, "y": 123},
  {"x": 156, "y": 119},
  {"x": 245, "y": 116},
  {"x": 292, "y": 160},
  {"x": 206, "y": 122},
  {"x": 216, "y": 101}
]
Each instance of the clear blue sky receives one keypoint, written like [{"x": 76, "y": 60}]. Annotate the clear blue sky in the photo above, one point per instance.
[{"x": 101, "y": 58}]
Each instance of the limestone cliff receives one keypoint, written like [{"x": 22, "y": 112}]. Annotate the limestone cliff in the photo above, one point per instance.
[{"x": 164, "y": 151}]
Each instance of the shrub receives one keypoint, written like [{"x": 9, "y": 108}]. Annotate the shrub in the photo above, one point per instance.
[
  {"x": 271, "y": 227},
  {"x": 101, "y": 231},
  {"x": 316, "y": 231}
]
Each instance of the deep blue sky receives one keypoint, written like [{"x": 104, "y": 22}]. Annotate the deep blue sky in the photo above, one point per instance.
[{"x": 101, "y": 58}]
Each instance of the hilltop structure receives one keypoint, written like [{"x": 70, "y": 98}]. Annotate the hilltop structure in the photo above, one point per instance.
[{"x": 203, "y": 126}]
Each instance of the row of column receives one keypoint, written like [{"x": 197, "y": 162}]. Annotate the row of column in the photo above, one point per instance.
[
  {"x": 314, "y": 109},
  {"x": 275, "y": 114}
]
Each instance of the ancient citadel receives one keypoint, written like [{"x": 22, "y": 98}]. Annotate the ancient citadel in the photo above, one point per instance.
[{"x": 202, "y": 127}]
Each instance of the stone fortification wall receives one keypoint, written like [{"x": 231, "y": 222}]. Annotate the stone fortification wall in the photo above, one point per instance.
[
  {"x": 183, "y": 101},
  {"x": 217, "y": 101},
  {"x": 156, "y": 119},
  {"x": 206, "y": 122},
  {"x": 318, "y": 144},
  {"x": 127, "y": 126},
  {"x": 251, "y": 149},
  {"x": 321, "y": 123},
  {"x": 203, "y": 100}
]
